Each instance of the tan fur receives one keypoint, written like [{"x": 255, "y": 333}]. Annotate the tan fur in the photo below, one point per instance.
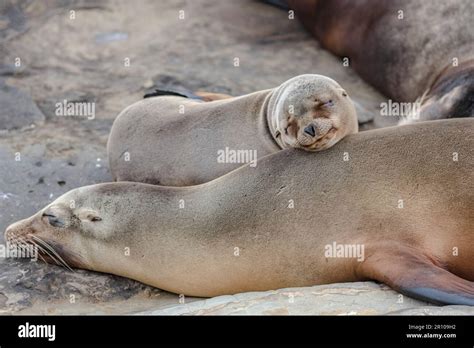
[
  {"x": 170, "y": 148},
  {"x": 237, "y": 233}
]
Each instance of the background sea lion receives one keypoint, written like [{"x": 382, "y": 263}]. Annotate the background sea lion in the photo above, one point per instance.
[
  {"x": 269, "y": 227},
  {"x": 407, "y": 49},
  {"x": 176, "y": 141}
]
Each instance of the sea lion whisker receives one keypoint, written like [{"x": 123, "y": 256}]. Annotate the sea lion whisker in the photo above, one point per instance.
[
  {"x": 53, "y": 257},
  {"x": 46, "y": 252},
  {"x": 15, "y": 242},
  {"x": 51, "y": 249},
  {"x": 35, "y": 245},
  {"x": 48, "y": 246},
  {"x": 42, "y": 249},
  {"x": 20, "y": 243},
  {"x": 23, "y": 244}
]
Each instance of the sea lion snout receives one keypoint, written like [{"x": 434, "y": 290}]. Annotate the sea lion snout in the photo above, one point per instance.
[
  {"x": 19, "y": 229},
  {"x": 9, "y": 233},
  {"x": 47, "y": 235},
  {"x": 313, "y": 134}
]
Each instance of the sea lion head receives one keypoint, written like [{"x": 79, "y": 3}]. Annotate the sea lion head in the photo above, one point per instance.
[
  {"x": 78, "y": 230},
  {"x": 311, "y": 112}
]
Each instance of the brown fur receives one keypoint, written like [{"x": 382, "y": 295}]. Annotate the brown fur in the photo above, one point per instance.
[
  {"x": 192, "y": 250},
  {"x": 401, "y": 57}
]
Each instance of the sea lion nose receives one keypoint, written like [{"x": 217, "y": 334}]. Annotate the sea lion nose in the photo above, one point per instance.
[{"x": 310, "y": 130}]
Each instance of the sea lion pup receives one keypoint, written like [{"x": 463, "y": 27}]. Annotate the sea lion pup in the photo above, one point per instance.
[
  {"x": 176, "y": 141},
  {"x": 384, "y": 204},
  {"x": 410, "y": 50}
]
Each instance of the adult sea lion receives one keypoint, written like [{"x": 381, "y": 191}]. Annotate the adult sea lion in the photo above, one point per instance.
[
  {"x": 176, "y": 141},
  {"x": 408, "y": 49},
  {"x": 400, "y": 206}
]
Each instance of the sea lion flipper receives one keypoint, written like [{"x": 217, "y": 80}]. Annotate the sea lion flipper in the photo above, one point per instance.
[
  {"x": 416, "y": 275},
  {"x": 200, "y": 95},
  {"x": 209, "y": 96},
  {"x": 166, "y": 92}
]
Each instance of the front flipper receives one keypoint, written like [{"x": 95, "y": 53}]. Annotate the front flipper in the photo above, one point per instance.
[
  {"x": 415, "y": 274},
  {"x": 209, "y": 96},
  {"x": 200, "y": 95},
  {"x": 166, "y": 92}
]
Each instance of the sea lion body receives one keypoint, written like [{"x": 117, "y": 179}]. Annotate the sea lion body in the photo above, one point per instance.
[
  {"x": 269, "y": 227},
  {"x": 171, "y": 148},
  {"x": 175, "y": 141},
  {"x": 409, "y": 50}
]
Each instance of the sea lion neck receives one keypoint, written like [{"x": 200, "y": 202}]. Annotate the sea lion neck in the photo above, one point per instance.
[{"x": 270, "y": 117}]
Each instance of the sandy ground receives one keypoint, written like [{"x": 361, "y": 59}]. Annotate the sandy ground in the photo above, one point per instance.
[{"x": 49, "y": 54}]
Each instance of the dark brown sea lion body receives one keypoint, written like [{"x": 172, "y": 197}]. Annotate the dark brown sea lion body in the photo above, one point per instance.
[{"x": 407, "y": 49}]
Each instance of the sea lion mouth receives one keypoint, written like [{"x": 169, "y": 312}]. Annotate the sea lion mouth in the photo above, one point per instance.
[
  {"x": 46, "y": 250},
  {"x": 59, "y": 252},
  {"x": 306, "y": 140},
  {"x": 308, "y": 143},
  {"x": 314, "y": 139},
  {"x": 309, "y": 132}
]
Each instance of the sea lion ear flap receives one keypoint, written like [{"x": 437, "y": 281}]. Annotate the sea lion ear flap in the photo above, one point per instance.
[
  {"x": 277, "y": 133},
  {"x": 88, "y": 215},
  {"x": 417, "y": 276}
]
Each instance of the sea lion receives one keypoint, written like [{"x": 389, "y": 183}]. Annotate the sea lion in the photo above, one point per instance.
[
  {"x": 413, "y": 51},
  {"x": 176, "y": 141},
  {"x": 406, "y": 203}
]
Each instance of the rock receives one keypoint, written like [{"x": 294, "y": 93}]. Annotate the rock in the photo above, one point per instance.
[
  {"x": 18, "y": 110},
  {"x": 43, "y": 173},
  {"x": 35, "y": 288},
  {"x": 364, "y": 115},
  {"x": 434, "y": 310},
  {"x": 48, "y": 105},
  {"x": 360, "y": 298},
  {"x": 104, "y": 38}
]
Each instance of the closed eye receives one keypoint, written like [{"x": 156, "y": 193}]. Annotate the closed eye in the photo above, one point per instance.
[{"x": 55, "y": 221}]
